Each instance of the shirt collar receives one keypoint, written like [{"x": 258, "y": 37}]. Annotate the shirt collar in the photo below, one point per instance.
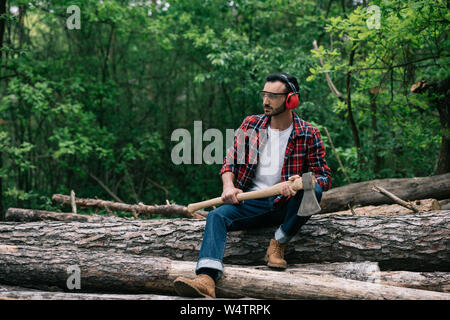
[{"x": 298, "y": 127}]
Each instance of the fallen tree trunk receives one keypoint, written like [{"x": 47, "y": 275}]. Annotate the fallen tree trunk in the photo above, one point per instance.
[
  {"x": 370, "y": 272},
  {"x": 106, "y": 272},
  {"x": 434, "y": 281},
  {"x": 408, "y": 279},
  {"x": 412, "y": 242},
  {"x": 168, "y": 210},
  {"x": 362, "y": 271},
  {"x": 424, "y": 206},
  {"x": 337, "y": 199},
  {"x": 28, "y": 215},
  {"x": 445, "y": 204},
  {"x": 19, "y": 293}
]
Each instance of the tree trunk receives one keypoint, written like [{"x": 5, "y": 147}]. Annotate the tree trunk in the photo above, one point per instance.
[
  {"x": 441, "y": 91},
  {"x": 19, "y": 293},
  {"x": 107, "y": 272},
  {"x": 361, "y": 271},
  {"x": 351, "y": 119},
  {"x": 438, "y": 93},
  {"x": 444, "y": 204},
  {"x": 434, "y": 281},
  {"x": 424, "y": 206},
  {"x": 370, "y": 272},
  {"x": 28, "y": 215},
  {"x": 336, "y": 199},
  {"x": 3, "y": 18},
  {"x": 139, "y": 209},
  {"x": 411, "y": 242},
  {"x": 377, "y": 159},
  {"x": 2, "y": 213}
]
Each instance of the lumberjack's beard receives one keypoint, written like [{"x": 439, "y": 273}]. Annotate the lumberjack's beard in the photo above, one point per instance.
[{"x": 271, "y": 111}]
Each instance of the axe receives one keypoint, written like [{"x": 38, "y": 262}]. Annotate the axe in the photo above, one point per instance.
[{"x": 309, "y": 205}]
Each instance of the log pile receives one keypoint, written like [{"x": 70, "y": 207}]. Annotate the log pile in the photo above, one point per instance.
[
  {"x": 361, "y": 193},
  {"x": 361, "y": 250},
  {"x": 411, "y": 242},
  {"x": 103, "y": 271}
]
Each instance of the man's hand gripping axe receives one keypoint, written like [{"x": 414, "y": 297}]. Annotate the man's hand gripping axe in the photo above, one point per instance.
[{"x": 309, "y": 205}]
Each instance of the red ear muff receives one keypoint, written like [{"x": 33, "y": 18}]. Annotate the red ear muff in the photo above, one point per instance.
[{"x": 292, "y": 100}]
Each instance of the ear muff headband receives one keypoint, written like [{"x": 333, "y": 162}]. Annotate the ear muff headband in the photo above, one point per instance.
[{"x": 292, "y": 99}]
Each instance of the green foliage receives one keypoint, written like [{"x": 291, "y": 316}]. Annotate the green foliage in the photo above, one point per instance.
[
  {"x": 410, "y": 44},
  {"x": 104, "y": 100}
]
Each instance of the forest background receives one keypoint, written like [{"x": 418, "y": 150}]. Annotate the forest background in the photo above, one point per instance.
[{"x": 91, "y": 91}]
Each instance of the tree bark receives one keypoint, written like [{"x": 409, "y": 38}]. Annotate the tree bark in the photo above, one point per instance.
[
  {"x": 2, "y": 32},
  {"x": 351, "y": 119},
  {"x": 434, "y": 281},
  {"x": 362, "y": 271},
  {"x": 107, "y": 272},
  {"x": 29, "y": 215},
  {"x": 336, "y": 199},
  {"x": 19, "y": 293},
  {"x": 444, "y": 204},
  {"x": 370, "y": 272},
  {"x": 377, "y": 159},
  {"x": 439, "y": 96},
  {"x": 411, "y": 242},
  {"x": 139, "y": 209},
  {"x": 423, "y": 206}
]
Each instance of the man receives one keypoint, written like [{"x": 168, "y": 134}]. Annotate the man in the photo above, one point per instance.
[{"x": 281, "y": 147}]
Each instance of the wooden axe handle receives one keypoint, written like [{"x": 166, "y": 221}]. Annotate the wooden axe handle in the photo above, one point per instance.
[{"x": 268, "y": 192}]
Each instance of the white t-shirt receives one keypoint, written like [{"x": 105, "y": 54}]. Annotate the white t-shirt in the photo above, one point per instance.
[{"x": 271, "y": 158}]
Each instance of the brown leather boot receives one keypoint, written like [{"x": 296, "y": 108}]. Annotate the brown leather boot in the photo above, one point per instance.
[
  {"x": 275, "y": 255},
  {"x": 202, "y": 286}
]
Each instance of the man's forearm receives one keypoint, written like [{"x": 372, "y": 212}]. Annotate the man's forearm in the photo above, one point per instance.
[{"x": 228, "y": 179}]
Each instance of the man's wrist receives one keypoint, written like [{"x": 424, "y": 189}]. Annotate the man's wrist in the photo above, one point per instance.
[
  {"x": 228, "y": 185},
  {"x": 228, "y": 180}
]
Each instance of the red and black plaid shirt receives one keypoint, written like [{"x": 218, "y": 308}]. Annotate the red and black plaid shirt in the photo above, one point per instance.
[{"x": 304, "y": 152}]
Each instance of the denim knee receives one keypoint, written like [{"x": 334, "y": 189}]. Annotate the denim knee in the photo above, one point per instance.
[
  {"x": 216, "y": 215},
  {"x": 319, "y": 191},
  {"x": 221, "y": 215}
]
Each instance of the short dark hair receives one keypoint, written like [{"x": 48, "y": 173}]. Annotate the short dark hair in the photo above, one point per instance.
[{"x": 279, "y": 77}]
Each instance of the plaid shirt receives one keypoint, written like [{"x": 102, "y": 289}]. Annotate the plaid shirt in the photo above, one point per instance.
[{"x": 304, "y": 152}]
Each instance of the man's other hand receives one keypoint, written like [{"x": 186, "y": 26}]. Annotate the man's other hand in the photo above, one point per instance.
[
  {"x": 287, "y": 191},
  {"x": 229, "y": 195}
]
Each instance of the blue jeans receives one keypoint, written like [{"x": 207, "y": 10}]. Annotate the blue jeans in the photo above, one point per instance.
[{"x": 258, "y": 213}]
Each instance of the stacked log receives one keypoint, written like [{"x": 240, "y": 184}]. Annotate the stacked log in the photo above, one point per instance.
[
  {"x": 423, "y": 206},
  {"x": 410, "y": 242},
  {"x": 27, "y": 215},
  {"x": 338, "y": 199},
  {"x": 21, "y": 293},
  {"x": 100, "y": 271},
  {"x": 370, "y": 249},
  {"x": 136, "y": 209}
]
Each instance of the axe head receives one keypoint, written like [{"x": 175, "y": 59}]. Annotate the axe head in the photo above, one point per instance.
[{"x": 309, "y": 205}]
